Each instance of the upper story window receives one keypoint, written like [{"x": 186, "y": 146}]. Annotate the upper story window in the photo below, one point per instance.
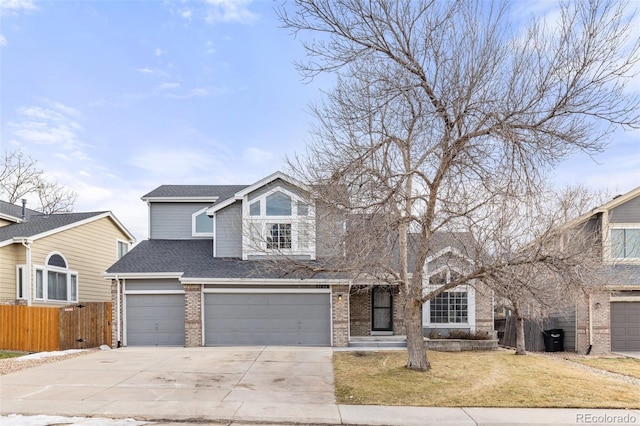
[
  {"x": 123, "y": 248},
  {"x": 55, "y": 282},
  {"x": 278, "y": 204},
  {"x": 201, "y": 224},
  {"x": 279, "y": 221},
  {"x": 625, "y": 243}
]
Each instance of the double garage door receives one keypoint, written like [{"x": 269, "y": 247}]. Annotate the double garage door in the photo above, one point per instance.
[
  {"x": 232, "y": 319},
  {"x": 625, "y": 326},
  {"x": 267, "y": 319}
]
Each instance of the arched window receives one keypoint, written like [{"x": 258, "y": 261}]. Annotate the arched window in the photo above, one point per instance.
[{"x": 55, "y": 282}]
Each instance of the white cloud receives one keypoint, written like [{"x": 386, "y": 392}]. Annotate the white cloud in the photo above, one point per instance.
[
  {"x": 14, "y": 6},
  {"x": 159, "y": 52},
  {"x": 257, "y": 156},
  {"x": 210, "y": 48},
  {"x": 229, "y": 11},
  {"x": 168, "y": 86},
  {"x": 51, "y": 123},
  {"x": 145, "y": 70},
  {"x": 186, "y": 14},
  {"x": 3, "y": 40}
]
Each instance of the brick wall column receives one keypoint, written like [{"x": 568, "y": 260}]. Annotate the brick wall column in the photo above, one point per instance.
[
  {"x": 600, "y": 323},
  {"x": 340, "y": 315},
  {"x": 115, "y": 320},
  {"x": 484, "y": 308},
  {"x": 193, "y": 315}
]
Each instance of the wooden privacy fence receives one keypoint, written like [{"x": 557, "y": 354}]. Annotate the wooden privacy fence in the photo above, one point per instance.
[
  {"x": 533, "y": 331},
  {"x": 39, "y": 329}
]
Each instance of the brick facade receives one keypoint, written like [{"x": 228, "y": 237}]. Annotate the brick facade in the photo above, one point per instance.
[
  {"x": 116, "y": 341},
  {"x": 340, "y": 315},
  {"x": 484, "y": 308},
  {"x": 193, "y": 315},
  {"x": 360, "y": 311},
  {"x": 600, "y": 327}
]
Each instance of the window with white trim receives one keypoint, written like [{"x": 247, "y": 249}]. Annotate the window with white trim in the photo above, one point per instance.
[
  {"x": 55, "y": 282},
  {"x": 625, "y": 243},
  {"x": 123, "y": 248},
  {"x": 278, "y": 221},
  {"x": 449, "y": 307},
  {"x": 21, "y": 291},
  {"x": 201, "y": 224}
]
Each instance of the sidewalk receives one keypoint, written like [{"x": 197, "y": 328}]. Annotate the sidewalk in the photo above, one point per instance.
[{"x": 364, "y": 415}]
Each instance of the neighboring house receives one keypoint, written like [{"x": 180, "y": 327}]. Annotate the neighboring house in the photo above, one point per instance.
[
  {"x": 209, "y": 275},
  {"x": 609, "y": 320},
  {"x": 57, "y": 259}
]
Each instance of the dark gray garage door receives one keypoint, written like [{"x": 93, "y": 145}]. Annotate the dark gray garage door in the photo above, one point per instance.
[
  {"x": 267, "y": 319},
  {"x": 155, "y": 319},
  {"x": 625, "y": 326}
]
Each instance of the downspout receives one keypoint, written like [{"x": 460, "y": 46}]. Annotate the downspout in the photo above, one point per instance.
[
  {"x": 27, "y": 273},
  {"x": 590, "y": 327},
  {"x": 118, "y": 338}
]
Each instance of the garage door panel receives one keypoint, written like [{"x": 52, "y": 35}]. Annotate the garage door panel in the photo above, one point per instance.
[
  {"x": 625, "y": 326},
  {"x": 267, "y": 319},
  {"x": 155, "y": 320}
]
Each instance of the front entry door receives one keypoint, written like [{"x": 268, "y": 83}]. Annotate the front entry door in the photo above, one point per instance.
[{"x": 381, "y": 309}]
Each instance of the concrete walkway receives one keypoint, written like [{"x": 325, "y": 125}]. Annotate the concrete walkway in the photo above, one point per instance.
[{"x": 232, "y": 385}]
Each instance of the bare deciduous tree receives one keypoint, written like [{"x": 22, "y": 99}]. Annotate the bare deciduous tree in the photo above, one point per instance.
[
  {"x": 440, "y": 107},
  {"x": 537, "y": 262},
  {"x": 20, "y": 177}
]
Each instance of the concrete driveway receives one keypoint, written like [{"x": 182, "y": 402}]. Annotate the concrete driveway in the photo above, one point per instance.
[{"x": 277, "y": 384}]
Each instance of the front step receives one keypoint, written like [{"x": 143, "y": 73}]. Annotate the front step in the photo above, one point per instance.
[{"x": 378, "y": 342}]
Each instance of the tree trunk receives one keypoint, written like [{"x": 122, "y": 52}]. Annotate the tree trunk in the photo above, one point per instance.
[
  {"x": 415, "y": 342},
  {"x": 520, "y": 345}
]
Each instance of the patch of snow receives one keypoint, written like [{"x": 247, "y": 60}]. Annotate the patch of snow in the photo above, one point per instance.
[
  {"x": 42, "y": 420},
  {"x": 105, "y": 348},
  {"x": 41, "y": 355}
]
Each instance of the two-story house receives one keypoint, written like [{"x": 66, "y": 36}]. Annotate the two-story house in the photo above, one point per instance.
[
  {"x": 52, "y": 260},
  {"x": 209, "y": 275},
  {"x": 609, "y": 320}
]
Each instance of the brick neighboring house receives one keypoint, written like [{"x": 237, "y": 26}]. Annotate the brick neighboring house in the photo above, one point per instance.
[
  {"x": 208, "y": 275},
  {"x": 57, "y": 259},
  {"x": 609, "y": 320}
]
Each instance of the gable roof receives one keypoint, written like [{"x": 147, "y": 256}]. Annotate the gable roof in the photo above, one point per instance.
[
  {"x": 615, "y": 202},
  {"x": 13, "y": 212},
  {"x": 241, "y": 193},
  {"x": 185, "y": 193},
  {"x": 41, "y": 225}
]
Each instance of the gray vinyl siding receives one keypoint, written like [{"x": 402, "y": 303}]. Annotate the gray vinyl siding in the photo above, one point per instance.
[
  {"x": 172, "y": 221},
  {"x": 567, "y": 322},
  {"x": 628, "y": 212},
  {"x": 228, "y": 238},
  {"x": 153, "y": 284}
]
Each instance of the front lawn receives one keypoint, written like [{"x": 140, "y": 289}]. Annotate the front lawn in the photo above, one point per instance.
[
  {"x": 475, "y": 379},
  {"x": 10, "y": 354},
  {"x": 626, "y": 366}
]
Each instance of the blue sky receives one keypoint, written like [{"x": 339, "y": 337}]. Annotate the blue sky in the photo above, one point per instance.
[{"x": 115, "y": 98}]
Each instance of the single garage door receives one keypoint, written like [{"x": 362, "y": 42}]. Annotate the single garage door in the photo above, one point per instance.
[
  {"x": 155, "y": 319},
  {"x": 625, "y": 326},
  {"x": 267, "y": 319}
]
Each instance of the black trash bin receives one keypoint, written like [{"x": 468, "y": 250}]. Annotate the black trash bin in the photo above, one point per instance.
[{"x": 554, "y": 340}]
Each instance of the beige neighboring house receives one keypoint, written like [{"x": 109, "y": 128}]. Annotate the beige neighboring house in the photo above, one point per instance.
[{"x": 57, "y": 259}]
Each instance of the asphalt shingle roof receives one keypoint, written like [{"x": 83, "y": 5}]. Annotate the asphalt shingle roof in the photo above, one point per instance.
[
  {"x": 15, "y": 210},
  {"x": 186, "y": 191},
  {"x": 37, "y": 224},
  {"x": 194, "y": 259}
]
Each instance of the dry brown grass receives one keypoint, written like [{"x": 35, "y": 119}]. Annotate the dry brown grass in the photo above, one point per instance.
[
  {"x": 475, "y": 379},
  {"x": 626, "y": 366}
]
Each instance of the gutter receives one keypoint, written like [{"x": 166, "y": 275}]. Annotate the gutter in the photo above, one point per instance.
[
  {"x": 590, "y": 326},
  {"x": 118, "y": 338}
]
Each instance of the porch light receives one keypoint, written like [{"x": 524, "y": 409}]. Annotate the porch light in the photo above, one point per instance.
[{"x": 340, "y": 297}]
